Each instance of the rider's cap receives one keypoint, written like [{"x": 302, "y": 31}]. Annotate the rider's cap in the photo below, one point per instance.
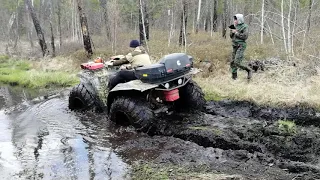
[{"x": 134, "y": 43}]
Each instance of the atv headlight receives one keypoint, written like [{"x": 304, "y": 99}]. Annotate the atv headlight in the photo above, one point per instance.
[
  {"x": 180, "y": 81},
  {"x": 167, "y": 85}
]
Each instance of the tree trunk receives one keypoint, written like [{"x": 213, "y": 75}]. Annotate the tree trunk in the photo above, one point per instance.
[
  {"x": 143, "y": 24},
  {"x": 289, "y": 28},
  {"x": 141, "y": 34},
  {"x": 283, "y": 29},
  {"x": 215, "y": 16},
  {"x": 262, "y": 22},
  {"x": 184, "y": 20},
  {"x": 309, "y": 15},
  {"x": 52, "y": 41},
  {"x": 198, "y": 16},
  {"x": 146, "y": 20},
  {"x": 59, "y": 22},
  {"x": 73, "y": 17},
  {"x": 17, "y": 26},
  {"x": 85, "y": 29},
  {"x": 38, "y": 28},
  {"x": 103, "y": 4},
  {"x": 208, "y": 17},
  {"x": 294, "y": 26},
  {"x": 224, "y": 23},
  {"x": 170, "y": 16}
]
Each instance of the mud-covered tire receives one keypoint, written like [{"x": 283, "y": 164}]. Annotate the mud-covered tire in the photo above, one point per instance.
[
  {"x": 191, "y": 97},
  {"x": 136, "y": 112},
  {"x": 80, "y": 99}
]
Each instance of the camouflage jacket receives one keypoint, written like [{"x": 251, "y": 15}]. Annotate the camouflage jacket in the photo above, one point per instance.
[{"x": 241, "y": 35}]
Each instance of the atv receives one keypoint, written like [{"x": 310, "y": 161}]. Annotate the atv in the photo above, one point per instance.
[{"x": 160, "y": 89}]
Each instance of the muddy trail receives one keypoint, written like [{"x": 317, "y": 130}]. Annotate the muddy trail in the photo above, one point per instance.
[
  {"x": 252, "y": 136},
  {"x": 41, "y": 139}
]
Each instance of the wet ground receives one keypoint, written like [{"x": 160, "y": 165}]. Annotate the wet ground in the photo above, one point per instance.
[{"x": 41, "y": 139}]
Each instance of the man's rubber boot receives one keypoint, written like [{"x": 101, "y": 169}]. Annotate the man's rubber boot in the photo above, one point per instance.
[
  {"x": 249, "y": 74},
  {"x": 234, "y": 76}
]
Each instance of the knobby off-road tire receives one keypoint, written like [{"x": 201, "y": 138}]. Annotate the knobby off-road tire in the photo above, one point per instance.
[
  {"x": 134, "y": 111},
  {"x": 80, "y": 99},
  {"x": 191, "y": 97}
]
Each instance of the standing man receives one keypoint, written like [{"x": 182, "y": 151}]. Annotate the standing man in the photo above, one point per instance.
[{"x": 239, "y": 34}]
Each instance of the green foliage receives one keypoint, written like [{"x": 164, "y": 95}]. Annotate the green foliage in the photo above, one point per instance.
[{"x": 288, "y": 127}]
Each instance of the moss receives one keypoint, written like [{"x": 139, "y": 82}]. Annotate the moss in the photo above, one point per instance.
[{"x": 287, "y": 127}]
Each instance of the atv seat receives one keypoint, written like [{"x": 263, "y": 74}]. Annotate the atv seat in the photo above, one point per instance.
[
  {"x": 121, "y": 76},
  {"x": 169, "y": 67}
]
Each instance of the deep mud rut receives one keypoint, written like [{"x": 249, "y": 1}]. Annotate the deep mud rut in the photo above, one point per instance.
[{"x": 42, "y": 139}]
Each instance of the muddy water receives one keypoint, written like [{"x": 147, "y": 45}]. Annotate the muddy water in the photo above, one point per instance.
[{"x": 41, "y": 139}]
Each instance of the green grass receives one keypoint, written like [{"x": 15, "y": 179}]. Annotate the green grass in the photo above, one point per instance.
[{"x": 20, "y": 72}]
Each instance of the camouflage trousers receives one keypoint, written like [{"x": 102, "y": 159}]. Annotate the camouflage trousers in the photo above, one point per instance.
[{"x": 237, "y": 57}]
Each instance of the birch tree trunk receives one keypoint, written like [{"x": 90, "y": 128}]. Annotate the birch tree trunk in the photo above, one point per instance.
[
  {"x": 59, "y": 23},
  {"x": 84, "y": 29},
  {"x": 184, "y": 14},
  {"x": 294, "y": 26},
  {"x": 143, "y": 24},
  {"x": 262, "y": 22},
  {"x": 198, "y": 16},
  {"x": 38, "y": 28},
  {"x": 141, "y": 32},
  {"x": 283, "y": 29},
  {"x": 289, "y": 28},
  {"x": 170, "y": 26},
  {"x": 184, "y": 20},
  {"x": 146, "y": 20},
  {"x": 10, "y": 26}
]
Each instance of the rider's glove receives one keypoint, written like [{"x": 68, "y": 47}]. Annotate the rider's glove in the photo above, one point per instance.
[{"x": 109, "y": 63}]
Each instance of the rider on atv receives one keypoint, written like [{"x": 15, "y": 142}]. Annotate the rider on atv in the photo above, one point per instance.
[{"x": 138, "y": 57}]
